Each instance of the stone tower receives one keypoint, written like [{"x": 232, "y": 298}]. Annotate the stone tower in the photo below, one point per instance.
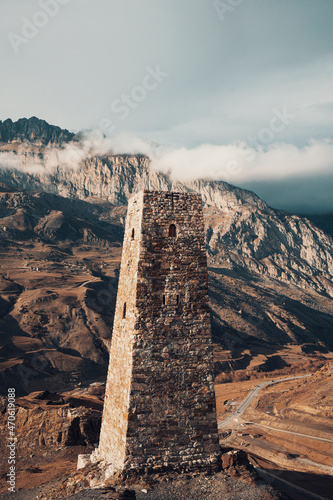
[{"x": 159, "y": 410}]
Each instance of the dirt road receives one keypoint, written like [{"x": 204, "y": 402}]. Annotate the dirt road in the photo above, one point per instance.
[{"x": 250, "y": 397}]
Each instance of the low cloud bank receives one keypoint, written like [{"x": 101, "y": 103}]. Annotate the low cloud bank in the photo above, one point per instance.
[
  {"x": 244, "y": 164},
  {"x": 234, "y": 163}
]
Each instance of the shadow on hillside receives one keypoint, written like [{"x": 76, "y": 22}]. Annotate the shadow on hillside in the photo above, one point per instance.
[
  {"x": 319, "y": 325},
  {"x": 318, "y": 484},
  {"x": 239, "y": 273},
  {"x": 256, "y": 318}
]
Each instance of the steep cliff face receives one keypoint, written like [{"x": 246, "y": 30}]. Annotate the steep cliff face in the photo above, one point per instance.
[
  {"x": 272, "y": 243},
  {"x": 29, "y": 143},
  {"x": 242, "y": 230}
]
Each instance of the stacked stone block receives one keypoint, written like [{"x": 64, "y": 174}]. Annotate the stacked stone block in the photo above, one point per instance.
[{"x": 159, "y": 411}]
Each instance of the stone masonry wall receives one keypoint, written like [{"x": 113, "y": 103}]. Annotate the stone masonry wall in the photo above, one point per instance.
[
  {"x": 160, "y": 404},
  {"x": 112, "y": 444}
]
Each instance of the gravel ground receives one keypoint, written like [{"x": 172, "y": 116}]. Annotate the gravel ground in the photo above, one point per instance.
[{"x": 218, "y": 487}]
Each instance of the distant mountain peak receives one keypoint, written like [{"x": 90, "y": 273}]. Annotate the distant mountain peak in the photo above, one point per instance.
[{"x": 33, "y": 130}]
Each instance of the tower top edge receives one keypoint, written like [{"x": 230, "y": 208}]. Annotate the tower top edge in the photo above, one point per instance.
[{"x": 146, "y": 193}]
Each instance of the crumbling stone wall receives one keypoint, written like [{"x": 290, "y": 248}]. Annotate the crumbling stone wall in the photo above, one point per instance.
[{"x": 159, "y": 410}]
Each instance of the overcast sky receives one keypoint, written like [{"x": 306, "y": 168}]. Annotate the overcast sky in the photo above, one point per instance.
[{"x": 237, "y": 90}]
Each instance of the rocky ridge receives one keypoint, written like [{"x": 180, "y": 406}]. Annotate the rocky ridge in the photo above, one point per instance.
[
  {"x": 270, "y": 273},
  {"x": 242, "y": 230},
  {"x": 270, "y": 279},
  {"x": 33, "y": 130}
]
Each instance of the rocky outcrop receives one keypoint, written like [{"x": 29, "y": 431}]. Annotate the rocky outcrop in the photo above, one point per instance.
[
  {"x": 116, "y": 178},
  {"x": 236, "y": 463},
  {"x": 41, "y": 428},
  {"x": 272, "y": 243},
  {"x": 33, "y": 130}
]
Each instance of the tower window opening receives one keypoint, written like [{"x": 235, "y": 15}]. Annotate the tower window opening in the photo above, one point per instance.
[
  {"x": 177, "y": 300},
  {"x": 163, "y": 300},
  {"x": 132, "y": 235},
  {"x": 124, "y": 310},
  {"x": 172, "y": 231}
]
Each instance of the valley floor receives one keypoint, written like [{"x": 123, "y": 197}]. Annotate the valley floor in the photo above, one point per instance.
[{"x": 284, "y": 426}]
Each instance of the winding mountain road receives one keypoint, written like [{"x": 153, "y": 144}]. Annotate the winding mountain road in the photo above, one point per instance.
[
  {"x": 293, "y": 433},
  {"x": 237, "y": 414},
  {"x": 225, "y": 422}
]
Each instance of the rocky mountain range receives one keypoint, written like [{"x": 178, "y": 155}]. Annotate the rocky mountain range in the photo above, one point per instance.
[
  {"x": 271, "y": 273},
  {"x": 245, "y": 230},
  {"x": 33, "y": 130}
]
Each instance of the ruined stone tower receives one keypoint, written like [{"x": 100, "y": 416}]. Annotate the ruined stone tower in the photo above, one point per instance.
[{"x": 159, "y": 410}]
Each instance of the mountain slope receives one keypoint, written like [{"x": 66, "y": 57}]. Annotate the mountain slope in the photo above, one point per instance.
[
  {"x": 58, "y": 280},
  {"x": 243, "y": 230},
  {"x": 270, "y": 273},
  {"x": 274, "y": 244}
]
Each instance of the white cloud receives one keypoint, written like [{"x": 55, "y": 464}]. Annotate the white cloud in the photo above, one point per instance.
[
  {"x": 71, "y": 155},
  {"x": 234, "y": 163}
]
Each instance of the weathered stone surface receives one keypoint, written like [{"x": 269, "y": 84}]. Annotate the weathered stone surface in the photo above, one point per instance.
[
  {"x": 50, "y": 428},
  {"x": 82, "y": 461},
  {"x": 236, "y": 463},
  {"x": 159, "y": 410}
]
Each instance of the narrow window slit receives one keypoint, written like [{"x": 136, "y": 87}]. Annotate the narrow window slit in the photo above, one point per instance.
[{"x": 172, "y": 231}]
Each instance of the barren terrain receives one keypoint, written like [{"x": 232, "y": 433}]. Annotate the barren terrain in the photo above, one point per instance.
[
  {"x": 59, "y": 270},
  {"x": 288, "y": 424},
  {"x": 271, "y": 289}
]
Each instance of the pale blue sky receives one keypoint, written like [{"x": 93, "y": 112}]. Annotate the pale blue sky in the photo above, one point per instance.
[{"x": 227, "y": 74}]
